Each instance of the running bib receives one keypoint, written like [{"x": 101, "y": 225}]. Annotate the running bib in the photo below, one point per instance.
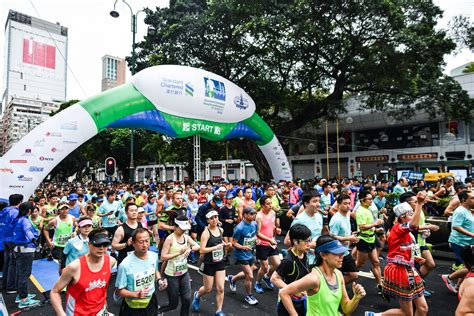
[
  {"x": 62, "y": 240},
  {"x": 111, "y": 219},
  {"x": 152, "y": 217},
  {"x": 144, "y": 280},
  {"x": 217, "y": 255},
  {"x": 180, "y": 267},
  {"x": 250, "y": 241},
  {"x": 78, "y": 245},
  {"x": 104, "y": 312}
]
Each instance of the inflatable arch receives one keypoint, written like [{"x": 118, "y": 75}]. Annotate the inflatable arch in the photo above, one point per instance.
[{"x": 177, "y": 101}]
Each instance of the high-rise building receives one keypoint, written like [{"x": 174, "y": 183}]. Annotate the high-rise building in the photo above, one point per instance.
[
  {"x": 34, "y": 74},
  {"x": 113, "y": 72}
]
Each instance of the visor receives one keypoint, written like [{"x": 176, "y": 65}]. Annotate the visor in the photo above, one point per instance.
[
  {"x": 334, "y": 247},
  {"x": 184, "y": 225},
  {"x": 212, "y": 213},
  {"x": 100, "y": 239},
  {"x": 401, "y": 209},
  {"x": 85, "y": 222}
]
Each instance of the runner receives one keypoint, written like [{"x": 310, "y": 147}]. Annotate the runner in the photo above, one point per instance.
[
  {"x": 366, "y": 245},
  {"x": 244, "y": 242},
  {"x": 25, "y": 239},
  {"x": 136, "y": 277},
  {"x": 228, "y": 218},
  {"x": 91, "y": 213},
  {"x": 324, "y": 285},
  {"x": 294, "y": 267},
  {"x": 77, "y": 246},
  {"x": 150, "y": 209},
  {"x": 340, "y": 228},
  {"x": 122, "y": 241},
  {"x": 466, "y": 291},
  {"x": 75, "y": 209},
  {"x": 401, "y": 280},
  {"x": 176, "y": 249},
  {"x": 311, "y": 218},
  {"x": 86, "y": 279},
  {"x": 214, "y": 204},
  {"x": 268, "y": 225},
  {"x": 213, "y": 266},
  {"x": 64, "y": 226},
  {"x": 108, "y": 211}
]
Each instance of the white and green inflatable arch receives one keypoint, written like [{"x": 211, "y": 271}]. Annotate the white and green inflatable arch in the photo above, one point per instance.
[{"x": 174, "y": 100}]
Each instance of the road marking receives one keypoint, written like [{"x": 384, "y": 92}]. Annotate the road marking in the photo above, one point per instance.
[{"x": 368, "y": 275}]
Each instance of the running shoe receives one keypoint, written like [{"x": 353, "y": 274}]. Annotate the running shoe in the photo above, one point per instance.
[
  {"x": 382, "y": 294},
  {"x": 268, "y": 283},
  {"x": 251, "y": 299},
  {"x": 367, "y": 313},
  {"x": 220, "y": 313},
  {"x": 258, "y": 288},
  {"x": 450, "y": 284},
  {"x": 195, "y": 304},
  {"x": 18, "y": 298},
  {"x": 29, "y": 303},
  {"x": 232, "y": 285},
  {"x": 427, "y": 293}
]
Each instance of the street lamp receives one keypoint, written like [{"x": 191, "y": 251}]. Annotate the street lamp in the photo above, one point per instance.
[{"x": 151, "y": 31}]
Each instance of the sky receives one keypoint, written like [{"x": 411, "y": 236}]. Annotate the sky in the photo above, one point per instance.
[{"x": 93, "y": 33}]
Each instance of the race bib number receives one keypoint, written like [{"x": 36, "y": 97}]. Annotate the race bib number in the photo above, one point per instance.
[
  {"x": 152, "y": 217},
  {"x": 144, "y": 280},
  {"x": 111, "y": 219},
  {"x": 250, "y": 241},
  {"x": 217, "y": 255},
  {"x": 78, "y": 245},
  {"x": 180, "y": 267},
  {"x": 104, "y": 312},
  {"x": 62, "y": 239}
]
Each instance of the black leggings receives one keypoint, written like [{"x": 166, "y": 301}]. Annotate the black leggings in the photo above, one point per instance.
[{"x": 178, "y": 286}]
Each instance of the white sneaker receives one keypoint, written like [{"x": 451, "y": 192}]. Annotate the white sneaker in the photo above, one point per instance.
[{"x": 251, "y": 299}]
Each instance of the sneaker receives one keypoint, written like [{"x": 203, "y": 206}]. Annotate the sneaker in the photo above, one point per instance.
[
  {"x": 28, "y": 303},
  {"x": 450, "y": 284},
  {"x": 232, "y": 285},
  {"x": 367, "y": 313},
  {"x": 18, "y": 299},
  {"x": 382, "y": 294},
  {"x": 251, "y": 299},
  {"x": 268, "y": 283},
  {"x": 426, "y": 293},
  {"x": 219, "y": 313},
  {"x": 195, "y": 304},
  {"x": 258, "y": 288}
]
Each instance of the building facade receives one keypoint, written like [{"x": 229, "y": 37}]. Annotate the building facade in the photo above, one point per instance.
[
  {"x": 113, "y": 72},
  {"x": 369, "y": 144}
]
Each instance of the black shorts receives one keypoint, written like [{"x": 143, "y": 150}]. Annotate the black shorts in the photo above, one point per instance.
[
  {"x": 263, "y": 252},
  {"x": 365, "y": 247},
  {"x": 378, "y": 244},
  {"x": 151, "y": 223},
  {"x": 348, "y": 264},
  {"x": 300, "y": 307},
  {"x": 424, "y": 248},
  {"x": 228, "y": 230},
  {"x": 210, "y": 269},
  {"x": 244, "y": 262},
  {"x": 194, "y": 228},
  {"x": 57, "y": 253},
  {"x": 151, "y": 309}
]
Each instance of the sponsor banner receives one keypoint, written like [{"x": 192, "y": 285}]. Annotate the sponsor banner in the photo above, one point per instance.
[
  {"x": 413, "y": 175},
  {"x": 194, "y": 93},
  {"x": 417, "y": 156},
  {"x": 372, "y": 158},
  {"x": 18, "y": 161}
]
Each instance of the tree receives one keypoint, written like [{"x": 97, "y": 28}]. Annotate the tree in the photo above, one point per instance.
[{"x": 300, "y": 59}]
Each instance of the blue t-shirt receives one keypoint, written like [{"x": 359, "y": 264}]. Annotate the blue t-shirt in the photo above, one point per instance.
[
  {"x": 106, "y": 207},
  {"x": 315, "y": 225},
  {"x": 245, "y": 234},
  {"x": 464, "y": 218},
  {"x": 151, "y": 208},
  {"x": 340, "y": 225},
  {"x": 76, "y": 247},
  {"x": 75, "y": 210},
  {"x": 380, "y": 202},
  {"x": 136, "y": 274}
]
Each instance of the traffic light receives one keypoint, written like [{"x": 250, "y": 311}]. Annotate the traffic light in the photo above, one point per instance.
[{"x": 110, "y": 166}]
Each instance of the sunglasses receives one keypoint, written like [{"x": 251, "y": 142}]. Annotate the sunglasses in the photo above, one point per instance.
[{"x": 105, "y": 245}]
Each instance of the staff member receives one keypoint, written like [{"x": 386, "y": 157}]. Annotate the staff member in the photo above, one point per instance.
[{"x": 25, "y": 238}]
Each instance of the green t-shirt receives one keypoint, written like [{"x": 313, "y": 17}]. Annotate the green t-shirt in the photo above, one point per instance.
[{"x": 364, "y": 217}]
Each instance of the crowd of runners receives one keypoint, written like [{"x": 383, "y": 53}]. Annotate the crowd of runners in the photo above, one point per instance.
[{"x": 151, "y": 232}]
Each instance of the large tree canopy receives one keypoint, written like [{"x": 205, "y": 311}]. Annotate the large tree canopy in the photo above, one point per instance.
[{"x": 299, "y": 59}]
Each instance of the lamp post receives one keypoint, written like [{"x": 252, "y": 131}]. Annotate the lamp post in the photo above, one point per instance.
[{"x": 150, "y": 31}]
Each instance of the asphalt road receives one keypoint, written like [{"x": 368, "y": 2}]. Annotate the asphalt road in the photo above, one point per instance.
[{"x": 440, "y": 303}]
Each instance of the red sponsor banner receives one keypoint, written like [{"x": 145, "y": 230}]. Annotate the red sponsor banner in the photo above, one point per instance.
[
  {"x": 372, "y": 158},
  {"x": 39, "y": 54},
  {"x": 417, "y": 156}
]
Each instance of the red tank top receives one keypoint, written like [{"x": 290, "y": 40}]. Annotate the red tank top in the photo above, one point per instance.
[
  {"x": 267, "y": 228},
  {"x": 88, "y": 296}
]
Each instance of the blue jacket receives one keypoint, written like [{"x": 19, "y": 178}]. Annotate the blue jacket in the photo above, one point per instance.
[
  {"x": 24, "y": 232},
  {"x": 200, "y": 218},
  {"x": 10, "y": 213}
]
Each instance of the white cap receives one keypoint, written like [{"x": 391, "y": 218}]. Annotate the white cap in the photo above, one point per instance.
[{"x": 212, "y": 213}]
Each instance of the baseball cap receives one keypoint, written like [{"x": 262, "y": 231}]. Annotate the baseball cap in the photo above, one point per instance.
[
  {"x": 249, "y": 210},
  {"x": 138, "y": 192},
  {"x": 169, "y": 187},
  {"x": 334, "y": 247},
  {"x": 73, "y": 196},
  {"x": 184, "y": 225},
  {"x": 229, "y": 196},
  {"x": 217, "y": 200},
  {"x": 222, "y": 189},
  {"x": 140, "y": 210},
  {"x": 100, "y": 199},
  {"x": 402, "y": 209},
  {"x": 203, "y": 186},
  {"x": 212, "y": 213},
  {"x": 99, "y": 239}
]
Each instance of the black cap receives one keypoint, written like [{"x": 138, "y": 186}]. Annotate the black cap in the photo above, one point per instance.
[
  {"x": 169, "y": 187},
  {"x": 99, "y": 239}
]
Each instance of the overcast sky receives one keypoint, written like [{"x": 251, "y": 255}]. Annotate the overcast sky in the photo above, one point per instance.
[{"x": 94, "y": 33}]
